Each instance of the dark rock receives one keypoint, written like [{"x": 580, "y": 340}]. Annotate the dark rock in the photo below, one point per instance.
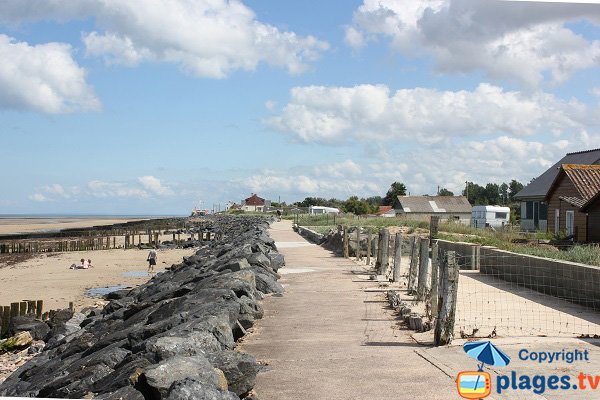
[
  {"x": 190, "y": 388},
  {"x": 267, "y": 284},
  {"x": 117, "y": 294},
  {"x": 159, "y": 378},
  {"x": 153, "y": 341},
  {"x": 124, "y": 393},
  {"x": 240, "y": 369},
  {"x": 38, "y": 329},
  {"x": 198, "y": 342}
]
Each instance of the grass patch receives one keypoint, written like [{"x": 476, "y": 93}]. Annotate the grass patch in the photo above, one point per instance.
[{"x": 501, "y": 238}]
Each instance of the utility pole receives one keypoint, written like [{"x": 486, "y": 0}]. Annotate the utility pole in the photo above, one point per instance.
[{"x": 467, "y": 189}]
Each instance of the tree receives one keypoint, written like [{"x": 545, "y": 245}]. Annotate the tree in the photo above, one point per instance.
[
  {"x": 514, "y": 187},
  {"x": 504, "y": 193},
  {"x": 356, "y": 206},
  {"x": 374, "y": 201},
  {"x": 445, "y": 192},
  {"x": 396, "y": 189},
  {"x": 492, "y": 194}
]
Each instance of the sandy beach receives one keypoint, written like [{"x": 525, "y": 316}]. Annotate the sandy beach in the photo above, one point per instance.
[
  {"x": 26, "y": 225},
  {"x": 47, "y": 276}
]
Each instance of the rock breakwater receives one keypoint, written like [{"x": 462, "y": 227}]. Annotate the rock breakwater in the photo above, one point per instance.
[{"x": 171, "y": 338}]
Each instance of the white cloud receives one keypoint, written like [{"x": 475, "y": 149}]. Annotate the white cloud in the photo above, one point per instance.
[
  {"x": 145, "y": 187},
  {"x": 153, "y": 185},
  {"x": 113, "y": 189},
  {"x": 422, "y": 169},
  {"x": 38, "y": 197},
  {"x": 43, "y": 78},
  {"x": 519, "y": 42},
  {"x": 208, "y": 38},
  {"x": 370, "y": 113}
]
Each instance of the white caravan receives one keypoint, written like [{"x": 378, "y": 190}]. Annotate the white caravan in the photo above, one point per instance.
[
  {"x": 490, "y": 216},
  {"x": 322, "y": 210}
]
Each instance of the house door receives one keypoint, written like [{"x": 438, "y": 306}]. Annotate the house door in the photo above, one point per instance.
[
  {"x": 570, "y": 221},
  {"x": 536, "y": 215},
  {"x": 556, "y": 222}
]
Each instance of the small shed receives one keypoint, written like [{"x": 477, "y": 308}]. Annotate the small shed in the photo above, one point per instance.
[{"x": 451, "y": 208}]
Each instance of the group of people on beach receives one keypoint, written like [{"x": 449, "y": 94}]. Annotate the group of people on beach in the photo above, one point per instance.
[
  {"x": 83, "y": 264},
  {"x": 87, "y": 264}
]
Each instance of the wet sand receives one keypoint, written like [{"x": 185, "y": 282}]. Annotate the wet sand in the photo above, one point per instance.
[
  {"x": 26, "y": 225},
  {"x": 47, "y": 276}
]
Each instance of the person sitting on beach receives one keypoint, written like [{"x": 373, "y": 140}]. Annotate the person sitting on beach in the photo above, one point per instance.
[
  {"x": 84, "y": 264},
  {"x": 89, "y": 263},
  {"x": 152, "y": 257}
]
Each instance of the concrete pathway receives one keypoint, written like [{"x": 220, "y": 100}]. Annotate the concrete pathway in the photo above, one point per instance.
[{"x": 326, "y": 338}]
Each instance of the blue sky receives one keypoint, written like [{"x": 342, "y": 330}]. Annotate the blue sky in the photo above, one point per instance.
[{"x": 112, "y": 107}]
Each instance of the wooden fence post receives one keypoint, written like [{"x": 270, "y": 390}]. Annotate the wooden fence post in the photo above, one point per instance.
[
  {"x": 358, "y": 253},
  {"x": 369, "y": 240},
  {"x": 14, "y": 309},
  {"x": 378, "y": 253},
  {"x": 433, "y": 226},
  {"x": 5, "y": 320},
  {"x": 423, "y": 268},
  {"x": 39, "y": 306},
  {"x": 385, "y": 252},
  {"x": 444, "y": 326},
  {"x": 397, "y": 257},
  {"x": 414, "y": 259},
  {"x": 435, "y": 266},
  {"x": 346, "y": 252}
]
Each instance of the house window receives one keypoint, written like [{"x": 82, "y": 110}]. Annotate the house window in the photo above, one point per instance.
[
  {"x": 543, "y": 211},
  {"x": 570, "y": 222},
  {"x": 529, "y": 210},
  {"x": 500, "y": 215}
]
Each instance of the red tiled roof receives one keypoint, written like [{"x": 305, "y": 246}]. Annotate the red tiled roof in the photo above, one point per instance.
[
  {"x": 254, "y": 200},
  {"x": 384, "y": 209},
  {"x": 586, "y": 179}
]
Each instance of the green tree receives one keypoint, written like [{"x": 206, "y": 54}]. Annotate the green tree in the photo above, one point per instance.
[
  {"x": 504, "y": 193},
  {"x": 514, "y": 187},
  {"x": 445, "y": 192},
  {"x": 374, "y": 201},
  {"x": 356, "y": 206},
  {"x": 492, "y": 194},
  {"x": 396, "y": 189}
]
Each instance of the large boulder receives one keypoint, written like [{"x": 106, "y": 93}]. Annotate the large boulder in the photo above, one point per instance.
[
  {"x": 191, "y": 388},
  {"x": 38, "y": 329},
  {"x": 240, "y": 369},
  {"x": 160, "y": 377}
]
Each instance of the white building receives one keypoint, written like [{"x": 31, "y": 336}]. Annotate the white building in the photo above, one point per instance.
[
  {"x": 322, "y": 210},
  {"x": 490, "y": 216}
]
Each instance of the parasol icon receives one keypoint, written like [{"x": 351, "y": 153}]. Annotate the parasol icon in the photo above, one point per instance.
[{"x": 486, "y": 353}]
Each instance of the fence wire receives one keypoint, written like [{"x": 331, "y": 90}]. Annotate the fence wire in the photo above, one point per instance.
[{"x": 524, "y": 298}]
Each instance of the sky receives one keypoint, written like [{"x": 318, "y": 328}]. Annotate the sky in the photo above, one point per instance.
[{"x": 158, "y": 106}]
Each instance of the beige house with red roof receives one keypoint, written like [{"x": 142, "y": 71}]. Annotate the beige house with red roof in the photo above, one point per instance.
[{"x": 255, "y": 204}]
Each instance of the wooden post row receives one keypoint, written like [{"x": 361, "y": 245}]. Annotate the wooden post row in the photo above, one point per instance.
[
  {"x": 414, "y": 259},
  {"x": 369, "y": 240},
  {"x": 423, "y": 269},
  {"x": 397, "y": 257},
  {"x": 444, "y": 326},
  {"x": 385, "y": 249}
]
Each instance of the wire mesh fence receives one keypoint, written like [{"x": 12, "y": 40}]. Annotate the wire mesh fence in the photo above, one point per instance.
[
  {"x": 498, "y": 293},
  {"x": 523, "y": 296}
]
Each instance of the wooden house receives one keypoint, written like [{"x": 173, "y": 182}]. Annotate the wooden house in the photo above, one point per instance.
[
  {"x": 534, "y": 209},
  {"x": 572, "y": 199}
]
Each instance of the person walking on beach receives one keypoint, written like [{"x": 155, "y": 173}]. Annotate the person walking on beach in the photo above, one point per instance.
[{"x": 152, "y": 257}]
